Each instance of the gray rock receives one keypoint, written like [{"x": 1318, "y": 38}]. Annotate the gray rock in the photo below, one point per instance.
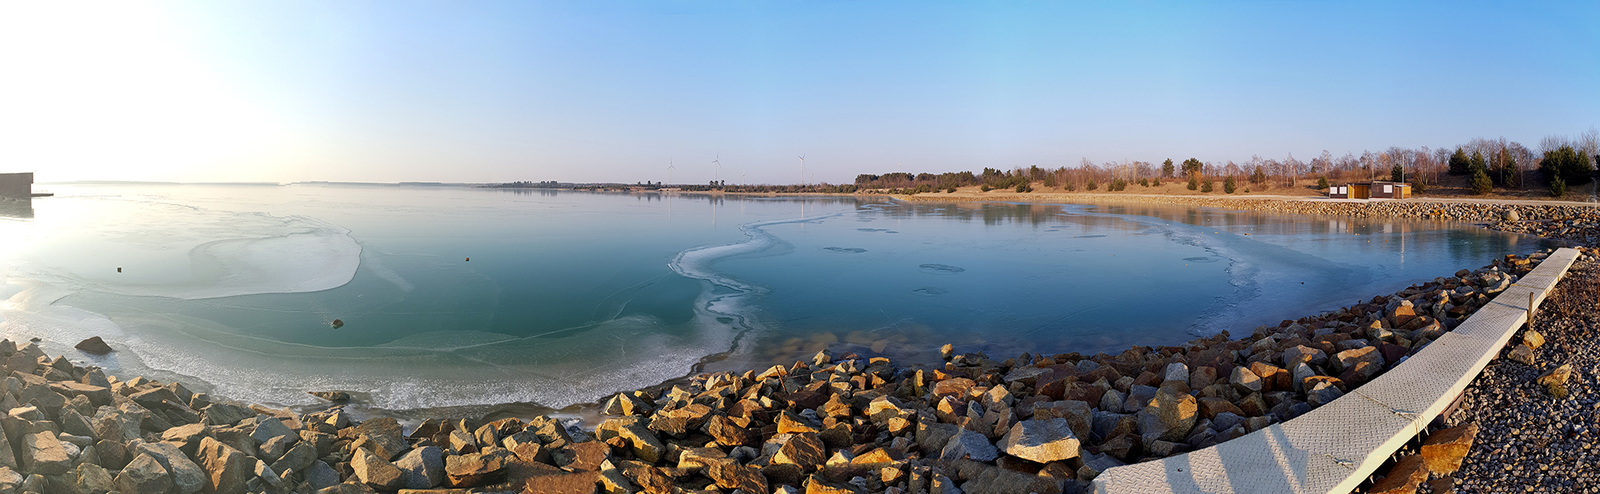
[
  {"x": 1244, "y": 380},
  {"x": 972, "y": 445},
  {"x": 1226, "y": 421},
  {"x": 225, "y": 414},
  {"x": 299, "y": 456},
  {"x": 1112, "y": 401},
  {"x": 187, "y": 477},
  {"x": 269, "y": 428},
  {"x": 1138, "y": 397},
  {"x": 321, "y": 476},
  {"x": 275, "y": 448},
  {"x": 144, "y": 475},
  {"x": 1176, "y": 371},
  {"x": 1042, "y": 441},
  {"x": 421, "y": 468},
  {"x": 90, "y": 478}
]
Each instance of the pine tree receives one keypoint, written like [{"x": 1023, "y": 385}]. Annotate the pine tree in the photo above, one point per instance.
[
  {"x": 1228, "y": 185},
  {"x": 1194, "y": 182},
  {"x": 1480, "y": 181},
  {"x": 1322, "y": 182},
  {"x": 1459, "y": 163},
  {"x": 1167, "y": 170},
  {"x": 1092, "y": 185},
  {"x": 1558, "y": 187},
  {"x": 1397, "y": 174}
]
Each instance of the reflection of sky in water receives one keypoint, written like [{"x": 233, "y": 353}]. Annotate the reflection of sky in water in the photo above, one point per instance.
[{"x": 569, "y": 296}]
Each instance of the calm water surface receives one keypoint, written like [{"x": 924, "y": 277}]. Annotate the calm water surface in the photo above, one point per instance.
[{"x": 454, "y": 296}]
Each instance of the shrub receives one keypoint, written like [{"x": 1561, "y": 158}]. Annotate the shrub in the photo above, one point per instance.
[
  {"x": 1050, "y": 180},
  {"x": 950, "y": 190},
  {"x": 1070, "y": 187},
  {"x": 1118, "y": 185},
  {"x": 985, "y": 188},
  {"x": 1419, "y": 187},
  {"x": 1157, "y": 181},
  {"x": 1228, "y": 186},
  {"x": 1194, "y": 183},
  {"x": 1206, "y": 187},
  {"x": 1480, "y": 181},
  {"x": 1558, "y": 187},
  {"x": 1566, "y": 163},
  {"x": 1024, "y": 188},
  {"x": 1322, "y": 182},
  {"x": 1092, "y": 185},
  {"x": 1145, "y": 182}
]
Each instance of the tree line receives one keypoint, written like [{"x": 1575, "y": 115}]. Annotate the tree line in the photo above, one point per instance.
[{"x": 1559, "y": 162}]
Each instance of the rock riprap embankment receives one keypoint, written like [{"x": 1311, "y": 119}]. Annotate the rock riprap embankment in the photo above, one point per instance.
[{"x": 835, "y": 424}]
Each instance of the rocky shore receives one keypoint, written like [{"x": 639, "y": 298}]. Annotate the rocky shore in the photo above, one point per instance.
[
  {"x": 1578, "y": 223},
  {"x": 1538, "y": 409},
  {"x": 834, "y": 424}
]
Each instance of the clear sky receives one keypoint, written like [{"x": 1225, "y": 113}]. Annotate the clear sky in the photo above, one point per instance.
[{"x": 611, "y": 91}]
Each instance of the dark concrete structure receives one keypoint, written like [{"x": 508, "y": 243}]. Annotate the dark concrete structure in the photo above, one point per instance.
[{"x": 16, "y": 185}]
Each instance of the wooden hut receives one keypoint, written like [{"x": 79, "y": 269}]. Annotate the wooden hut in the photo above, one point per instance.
[{"x": 1370, "y": 190}]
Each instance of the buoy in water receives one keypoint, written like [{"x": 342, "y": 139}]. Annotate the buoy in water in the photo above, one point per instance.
[
  {"x": 338, "y": 324},
  {"x": 119, "y": 270},
  {"x": 469, "y": 259}
]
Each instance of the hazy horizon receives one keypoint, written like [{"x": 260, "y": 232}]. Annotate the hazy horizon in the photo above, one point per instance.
[{"x": 612, "y": 92}]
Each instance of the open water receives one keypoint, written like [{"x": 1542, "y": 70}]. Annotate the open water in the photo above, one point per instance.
[{"x": 457, "y": 296}]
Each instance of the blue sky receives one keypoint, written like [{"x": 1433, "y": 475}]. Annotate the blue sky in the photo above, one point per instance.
[{"x": 611, "y": 91}]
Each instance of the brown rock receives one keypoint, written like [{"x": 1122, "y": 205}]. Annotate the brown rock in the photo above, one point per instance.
[
  {"x": 804, "y": 450},
  {"x": 727, "y": 432},
  {"x": 1404, "y": 477},
  {"x": 1273, "y": 378},
  {"x": 584, "y": 482},
  {"x": 1443, "y": 451},
  {"x": 477, "y": 468},
  {"x": 1253, "y": 405},
  {"x": 1557, "y": 376},
  {"x": 94, "y": 346},
  {"x": 1521, "y": 353},
  {"x": 227, "y": 470},
  {"x": 1532, "y": 338},
  {"x": 374, "y": 471},
  {"x": 956, "y": 387},
  {"x": 735, "y": 476},
  {"x": 1210, "y": 407},
  {"x": 1244, "y": 380},
  {"x": 42, "y": 453},
  {"x": 144, "y": 475}
]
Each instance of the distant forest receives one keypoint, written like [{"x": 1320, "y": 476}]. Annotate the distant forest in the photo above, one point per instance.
[
  {"x": 1486, "y": 164},
  {"x": 1489, "y": 164}
]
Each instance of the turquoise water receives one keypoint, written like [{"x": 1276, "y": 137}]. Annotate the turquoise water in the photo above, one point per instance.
[{"x": 454, "y": 296}]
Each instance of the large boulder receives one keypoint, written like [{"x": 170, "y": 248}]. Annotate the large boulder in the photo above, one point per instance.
[
  {"x": 42, "y": 453},
  {"x": 421, "y": 468},
  {"x": 374, "y": 471},
  {"x": 144, "y": 475},
  {"x": 970, "y": 445},
  {"x": 227, "y": 469},
  {"x": 1041, "y": 441},
  {"x": 92, "y": 479},
  {"x": 731, "y": 475},
  {"x": 1349, "y": 358},
  {"x": 804, "y": 450},
  {"x": 187, "y": 477},
  {"x": 94, "y": 346},
  {"x": 1169, "y": 415},
  {"x": 477, "y": 468}
]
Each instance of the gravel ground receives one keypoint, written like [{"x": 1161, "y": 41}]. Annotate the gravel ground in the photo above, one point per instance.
[{"x": 1531, "y": 441}]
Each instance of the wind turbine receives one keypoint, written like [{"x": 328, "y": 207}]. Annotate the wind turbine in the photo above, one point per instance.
[
  {"x": 802, "y": 170},
  {"x": 718, "y": 162},
  {"x": 670, "y": 168}
]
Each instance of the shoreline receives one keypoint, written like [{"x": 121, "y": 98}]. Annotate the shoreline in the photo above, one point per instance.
[
  {"x": 836, "y": 424},
  {"x": 896, "y": 422}
]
